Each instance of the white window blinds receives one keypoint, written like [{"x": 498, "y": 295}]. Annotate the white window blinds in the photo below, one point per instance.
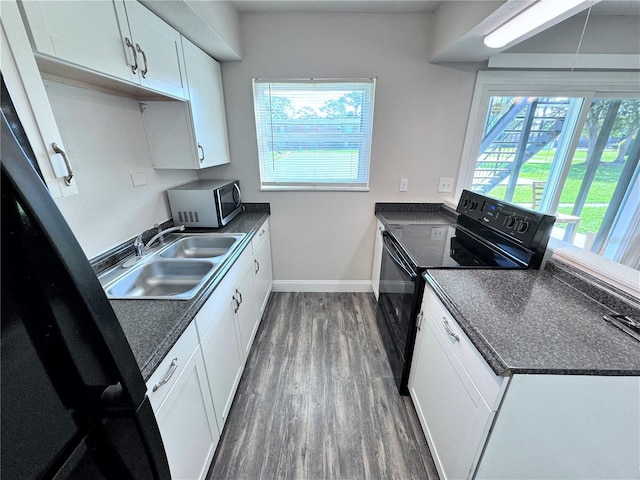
[{"x": 314, "y": 134}]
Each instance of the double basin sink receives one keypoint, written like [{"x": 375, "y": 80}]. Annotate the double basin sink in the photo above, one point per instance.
[{"x": 175, "y": 271}]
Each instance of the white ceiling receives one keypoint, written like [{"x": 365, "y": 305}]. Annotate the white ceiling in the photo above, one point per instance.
[
  {"x": 336, "y": 6},
  {"x": 604, "y": 7}
]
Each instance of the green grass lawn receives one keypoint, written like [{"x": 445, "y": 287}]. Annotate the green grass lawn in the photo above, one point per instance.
[{"x": 606, "y": 179}]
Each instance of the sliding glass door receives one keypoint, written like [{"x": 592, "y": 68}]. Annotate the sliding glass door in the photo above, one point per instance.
[{"x": 573, "y": 156}]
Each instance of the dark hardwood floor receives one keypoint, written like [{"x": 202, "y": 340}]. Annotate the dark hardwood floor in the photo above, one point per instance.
[{"x": 317, "y": 400}]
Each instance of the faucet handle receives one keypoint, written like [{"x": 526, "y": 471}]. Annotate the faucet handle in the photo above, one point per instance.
[{"x": 138, "y": 244}]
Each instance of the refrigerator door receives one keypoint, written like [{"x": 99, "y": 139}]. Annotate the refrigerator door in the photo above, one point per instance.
[{"x": 73, "y": 399}]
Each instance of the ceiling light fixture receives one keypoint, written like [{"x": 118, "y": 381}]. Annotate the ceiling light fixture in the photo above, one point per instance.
[{"x": 534, "y": 17}]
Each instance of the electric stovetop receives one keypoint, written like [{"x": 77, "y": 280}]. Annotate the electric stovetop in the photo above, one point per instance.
[
  {"x": 447, "y": 246},
  {"x": 487, "y": 234}
]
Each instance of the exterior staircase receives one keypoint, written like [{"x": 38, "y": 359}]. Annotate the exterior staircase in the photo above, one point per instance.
[{"x": 528, "y": 126}]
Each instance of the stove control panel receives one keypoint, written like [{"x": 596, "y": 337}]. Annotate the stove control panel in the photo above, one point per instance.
[{"x": 525, "y": 225}]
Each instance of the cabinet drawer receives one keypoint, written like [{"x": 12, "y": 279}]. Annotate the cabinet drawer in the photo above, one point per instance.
[
  {"x": 485, "y": 380},
  {"x": 163, "y": 379},
  {"x": 263, "y": 232}
]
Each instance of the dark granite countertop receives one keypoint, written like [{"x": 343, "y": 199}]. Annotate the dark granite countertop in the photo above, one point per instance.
[
  {"x": 530, "y": 321},
  {"x": 408, "y": 213},
  {"x": 533, "y": 321},
  {"x": 152, "y": 327}
]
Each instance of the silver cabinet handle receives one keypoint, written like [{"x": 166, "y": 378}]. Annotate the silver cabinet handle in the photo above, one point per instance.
[
  {"x": 172, "y": 369},
  {"x": 237, "y": 304},
  {"x": 419, "y": 320},
  {"x": 58, "y": 150},
  {"x": 202, "y": 150},
  {"x": 239, "y": 295},
  {"x": 257, "y": 266},
  {"x": 134, "y": 67},
  {"x": 144, "y": 58},
  {"x": 445, "y": 322}
]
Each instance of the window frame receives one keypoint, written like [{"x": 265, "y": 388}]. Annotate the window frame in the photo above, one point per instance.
[
  {"x": 326, "y": 184},
  {"x": 588, "y": 85}
]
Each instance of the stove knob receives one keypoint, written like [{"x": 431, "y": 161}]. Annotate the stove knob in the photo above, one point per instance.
[
  {"x": 465, "y": 202},
  {"x": 473, "y": 205},
  {"x": 510, "y": 222},
  {"x": 522, "y": 227}
]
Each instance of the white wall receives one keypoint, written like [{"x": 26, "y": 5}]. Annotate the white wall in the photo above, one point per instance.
[
  {"x": 421, "y": 113},
  {"x": 603, "y": 35},
  {"x": 105, "y": 139}
]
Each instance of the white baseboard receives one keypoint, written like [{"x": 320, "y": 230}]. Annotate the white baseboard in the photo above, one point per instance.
[{"x": 322, "y": 286}]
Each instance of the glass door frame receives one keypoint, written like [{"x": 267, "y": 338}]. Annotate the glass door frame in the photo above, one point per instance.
[{"x": 587, "y": 85}]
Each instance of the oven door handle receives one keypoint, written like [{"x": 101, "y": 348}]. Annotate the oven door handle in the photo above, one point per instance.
[{"x": 398, "y": 261}]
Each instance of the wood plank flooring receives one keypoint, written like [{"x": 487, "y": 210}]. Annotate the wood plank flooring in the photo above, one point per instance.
[{"x": 317, "y": 399}]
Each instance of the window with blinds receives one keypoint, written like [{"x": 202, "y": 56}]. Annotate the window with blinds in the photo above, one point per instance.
[{"x": 314, "y": 134}]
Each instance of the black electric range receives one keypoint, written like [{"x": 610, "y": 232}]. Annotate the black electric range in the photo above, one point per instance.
[{"x": 487, "y": 234}]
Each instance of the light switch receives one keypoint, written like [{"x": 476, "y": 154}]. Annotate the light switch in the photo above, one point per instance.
[
  {"x": 138, "y": 179},
  {"x": 404, "y": 184}
]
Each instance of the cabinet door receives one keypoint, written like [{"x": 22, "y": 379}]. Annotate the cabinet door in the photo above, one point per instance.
[
  {"x": 158, "y": 50},
  {"x": 27, "y": 92},
  {"x": 207, "y": 106},
  {"x": 244, "y": 304},
  {"x": 89, "y": 34},
  {"x": 263, "y": 276},
  {"x": 377, "y": 260},
  {"x": 187, "y": 424},
  {"x": 222, "y": 360},
  {"x": 452, "y": 413}
]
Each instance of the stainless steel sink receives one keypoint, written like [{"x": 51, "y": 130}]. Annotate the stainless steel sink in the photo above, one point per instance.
[
  {"x": 175, "y": 272},
  {"x": 202, "y": 246},
  {"x": 162, "y": 279}
]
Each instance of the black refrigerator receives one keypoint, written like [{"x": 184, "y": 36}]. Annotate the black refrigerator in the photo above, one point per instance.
[{"x": 73, "y": 401}]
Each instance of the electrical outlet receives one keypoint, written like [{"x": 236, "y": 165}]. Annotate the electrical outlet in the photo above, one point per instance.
[
  {"x": 445, "y": 185},
  {"x": 404, "y": 184},
  {"x": 437, "y": 233}
]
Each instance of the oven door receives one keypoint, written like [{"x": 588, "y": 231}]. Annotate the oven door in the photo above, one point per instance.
[{"x": 397, "y": 308}]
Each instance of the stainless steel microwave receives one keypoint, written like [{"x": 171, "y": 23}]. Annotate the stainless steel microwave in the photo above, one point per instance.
[{"x": 205, "y": 203}]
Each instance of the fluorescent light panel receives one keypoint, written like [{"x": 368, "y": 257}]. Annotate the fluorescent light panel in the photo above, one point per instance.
[{"x": 533, "y": 17}]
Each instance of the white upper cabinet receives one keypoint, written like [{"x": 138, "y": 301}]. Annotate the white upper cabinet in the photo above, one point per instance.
[
  {"x": 29, "y": 97},
  {"x": 204, "y": 79},
  {"x": 158, "y": 51},
  {"x": 191, "y": 134},
  {"x": 114, "y": 38},
  {"x": 87, "y": 34}
]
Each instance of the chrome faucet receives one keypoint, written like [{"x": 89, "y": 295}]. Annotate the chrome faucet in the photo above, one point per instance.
[
  {"x": 141, "y": 248},
  {"x": 160, "y": 236}
]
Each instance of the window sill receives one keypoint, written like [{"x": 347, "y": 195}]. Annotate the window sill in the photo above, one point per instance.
[
  {"x": 615, "y": 274},
  {"x": 313, "y": 189}
]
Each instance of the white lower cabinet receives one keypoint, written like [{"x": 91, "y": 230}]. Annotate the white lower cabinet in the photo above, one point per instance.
[
  {"x": 565, "y": 427},
  {"x": 262, "y": 267},
  {"x": 377, "y": 259},
  {"x": 447, "y": 385},
  {"x": 192, "y": 390},
  {"x": 184, "y": 410},
  {"x": 222, "y": 358},
  {"x": 244, "y": 306},
  {"x": 541, "y": 426},
  {"x": 219, "y": 331}
]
